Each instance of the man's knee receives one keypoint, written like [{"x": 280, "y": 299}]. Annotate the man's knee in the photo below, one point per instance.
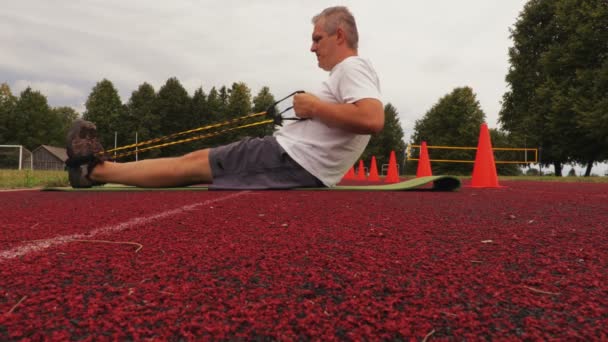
[
  {"x": 196, "y": 165},
  {"x": 197, "y": 155}
]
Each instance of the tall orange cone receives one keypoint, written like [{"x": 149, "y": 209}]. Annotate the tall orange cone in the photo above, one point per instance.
[
  {"x": 350, "y": 174},
  {"x": 392, "y": 175},
  {"x": 373, "y": 171},
  {"x": 361, "y": 174},
  {"x": 424, "y": 163},
  {"x": 484, "y": 171}
]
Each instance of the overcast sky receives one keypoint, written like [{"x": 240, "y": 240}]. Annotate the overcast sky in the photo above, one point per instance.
[{"x": 422, "y": 50}]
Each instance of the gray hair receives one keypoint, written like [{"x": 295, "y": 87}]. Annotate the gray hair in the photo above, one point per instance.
[{"x": 339, "y": 17}]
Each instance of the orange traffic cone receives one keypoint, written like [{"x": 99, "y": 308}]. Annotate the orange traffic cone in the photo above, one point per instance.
[
  {"x": 361, "y": 173},
  {"x": 392, "y": 175},
  {"x": 424, "y": 163},
  {"x": 484, "y": 170},
  {"x": 373, "y": 171},
  {"x": 350, "y": 174}
]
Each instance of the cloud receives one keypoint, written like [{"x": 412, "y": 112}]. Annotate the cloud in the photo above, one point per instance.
[
  {"x": 49, "y": 89},
  {"x": 421, "y": 50}
]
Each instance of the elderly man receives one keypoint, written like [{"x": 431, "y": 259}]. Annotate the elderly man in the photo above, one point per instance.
[{"x": 340, "y": 116}]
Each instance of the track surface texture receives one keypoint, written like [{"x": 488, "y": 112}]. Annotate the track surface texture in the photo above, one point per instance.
[{"x": 527, "y": 261}]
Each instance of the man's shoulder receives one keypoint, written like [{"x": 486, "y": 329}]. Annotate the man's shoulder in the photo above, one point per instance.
[
  {"x": 354, "y": 63},
  {"x": 357, "y": 61}
]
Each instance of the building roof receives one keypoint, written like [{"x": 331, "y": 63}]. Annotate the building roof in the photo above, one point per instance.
[{"x": 58, "y": 152}]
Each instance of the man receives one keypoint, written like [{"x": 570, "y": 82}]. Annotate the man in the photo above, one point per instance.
[{"x": 309, "y": 153}]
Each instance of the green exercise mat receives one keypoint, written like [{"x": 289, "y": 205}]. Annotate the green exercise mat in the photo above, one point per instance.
[{"x": 433, "y": 183}]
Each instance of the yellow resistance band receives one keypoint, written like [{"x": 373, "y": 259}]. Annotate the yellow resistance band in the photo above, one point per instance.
[{"x": 174, "y": 135}]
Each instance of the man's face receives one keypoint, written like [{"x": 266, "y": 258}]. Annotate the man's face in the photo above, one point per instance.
[{"x": 324, "y": 46}]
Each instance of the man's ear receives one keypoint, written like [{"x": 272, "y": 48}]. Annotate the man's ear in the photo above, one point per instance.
[{"x": 340, "y": 35}]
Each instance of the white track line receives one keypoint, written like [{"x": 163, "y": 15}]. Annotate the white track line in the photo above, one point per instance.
[{"x": 39, "y": 245}]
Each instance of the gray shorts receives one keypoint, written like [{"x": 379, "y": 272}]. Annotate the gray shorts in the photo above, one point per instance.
[{"x": 256, "y": 164}]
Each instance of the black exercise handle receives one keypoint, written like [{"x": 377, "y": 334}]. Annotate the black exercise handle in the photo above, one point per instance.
[{"x": 278, "y": 118}]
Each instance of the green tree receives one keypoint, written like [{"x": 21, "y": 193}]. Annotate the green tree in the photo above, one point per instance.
[
  {"x": 173, "y": 105},
  {"x": 586, "y": 21},
  {"x": 64, "y": 116},
  {"x": 558, "y": 44},
  {"x": 104, "y": 108},
  {"x": 34, "y": 123},
  {"x": 201, "y": 115},
  {"x": 261, "y": 102},
  {"x": 239, "y": 104},
  {"x": 223, "y": 98},
  {"x": 29, "y": 120},
  {"x": 141, "y": 117},
  {"x": 215, "y": 109},
  {"x": 214, "y": 104},
  {"x": 200, "y": 109},
  {"x": 7, "y": 112},
  {"x": 592, "y": 117},
  {"x": 521, "y": 116},
  {"x": 502, "y": 139},
  {"x": 453, "y": 121},
  {"x": 389, "y": 139}
]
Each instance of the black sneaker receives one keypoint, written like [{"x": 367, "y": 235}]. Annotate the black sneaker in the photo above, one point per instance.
[{"x": 84, "y": 153}]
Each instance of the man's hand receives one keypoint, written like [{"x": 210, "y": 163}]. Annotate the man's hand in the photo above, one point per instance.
[
  {"x": 365, "y": 116},
  {"x": 305, "y": 105}
]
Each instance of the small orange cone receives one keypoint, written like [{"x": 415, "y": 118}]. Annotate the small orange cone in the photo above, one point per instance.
[
  {"x": 361, "y": 173},
  {"x": 424, "y": 163},
  {"x": 373, "y": 171},
  {"x": 392, "y": 175},
  {"x": 484, "y": 170},
  {"x": 350, "y": 174}
]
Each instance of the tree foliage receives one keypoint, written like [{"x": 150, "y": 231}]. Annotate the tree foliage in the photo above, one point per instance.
[
  {"x": 200, "y": 108},
  {"x": 592, "y": 117},
  {"x": 140, "y": 117},
  {"x": 34, "y": 121},
  {"x": 261, "y": 102},
  {"x": 64, "y": 116},
  {"x": 216, "y": 113},
  {"x": 173, "y": 107},
  {"x": 7, "y": 112},
  {"x": 239, "y": 104},
  {"x": 502, "y": 139},
  {"x": 559, "y": 49},
  {"x": 453, "y": 121},
  {"x": 389, "y": 139},
  {"x": 28, "y": 120},
  {"x": 201, "y": 114},
  {"x": 215, "y": 105},
  {"x": 104, "y": 108}
]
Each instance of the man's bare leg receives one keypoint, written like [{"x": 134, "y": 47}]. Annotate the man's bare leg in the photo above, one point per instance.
[{"x": 192, "y": 168}]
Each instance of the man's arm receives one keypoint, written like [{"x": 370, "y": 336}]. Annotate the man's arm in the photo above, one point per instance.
[{"x": 365, "y": 116}]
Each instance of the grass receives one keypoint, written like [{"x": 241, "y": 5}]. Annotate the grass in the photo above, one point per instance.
[{"x": 16, "y": 179}]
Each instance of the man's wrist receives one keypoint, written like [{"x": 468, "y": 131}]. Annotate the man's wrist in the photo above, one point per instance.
[{"x": 318, "y": 108}]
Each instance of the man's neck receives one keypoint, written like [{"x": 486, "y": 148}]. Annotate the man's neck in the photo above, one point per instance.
[{"x": 346, "y": 54}]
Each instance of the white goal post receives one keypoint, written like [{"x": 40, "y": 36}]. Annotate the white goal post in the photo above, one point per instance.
[{"x": 25, "y": 157}]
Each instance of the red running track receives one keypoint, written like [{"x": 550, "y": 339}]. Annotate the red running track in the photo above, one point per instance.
[{"x": 528, "y": 261}]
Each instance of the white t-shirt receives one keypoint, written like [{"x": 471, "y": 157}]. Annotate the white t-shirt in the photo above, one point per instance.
[{"x": 328, "y": 152}]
